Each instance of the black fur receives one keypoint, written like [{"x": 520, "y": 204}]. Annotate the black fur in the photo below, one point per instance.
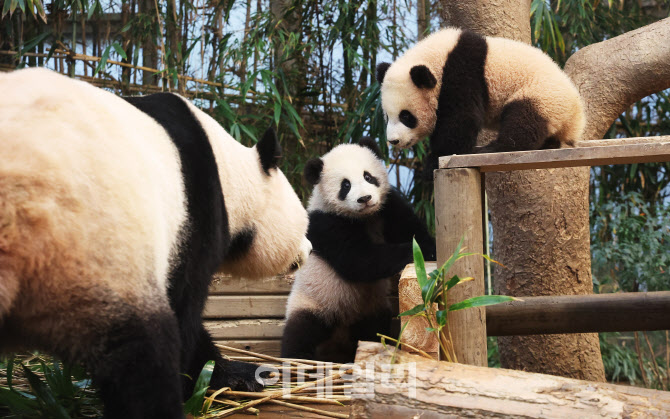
[
  {"x": 408, "y": 119},
  {"x": 205, "y": 242},
  {"x": 269, "y": 150},
  {"x": 422, "y": 77},
  {"x": 241, "y": 243},
  {"x": 521, "y": 128},
  {"x": 370, "y": 179},
  {"x": 345, "y": 187},
  {"x": 137, "y": 365},
  {"x": 381, "y": 71},
  {"x": 303, "y": 333},
  {"x": 370, "y": 143},
  {"x": 312, "y": 171},
  {"x": 343, "y": 242},
  {"x": 463, "y": 99}
]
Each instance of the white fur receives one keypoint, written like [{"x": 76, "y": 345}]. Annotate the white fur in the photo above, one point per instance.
[
  {"x": 319, "y": 289},
  {"x": 253, "y": 199},
  {"x": 513, "y": 71},
  {"x": 350, "y": 161}
]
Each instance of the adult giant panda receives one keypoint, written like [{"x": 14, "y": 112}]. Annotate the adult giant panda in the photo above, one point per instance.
[
  {"x": 361, "y": 230},
  {"x": 112, "y": 221},
  {"x": 455, "y": 82}
]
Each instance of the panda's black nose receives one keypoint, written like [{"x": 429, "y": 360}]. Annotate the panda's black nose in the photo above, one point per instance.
[
  {"x": 394, "y": 142},
  {"x": 364, "y": 199}
]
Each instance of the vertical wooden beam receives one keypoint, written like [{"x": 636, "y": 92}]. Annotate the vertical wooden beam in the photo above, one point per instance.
[{"x": 458, "y": 213}]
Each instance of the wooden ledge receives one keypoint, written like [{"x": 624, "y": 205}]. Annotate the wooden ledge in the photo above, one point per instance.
[{"x": 586, "y": 153}]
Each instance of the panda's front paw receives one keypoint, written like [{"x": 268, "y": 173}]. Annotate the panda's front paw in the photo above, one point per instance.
[{"x": 239, "y": 376}]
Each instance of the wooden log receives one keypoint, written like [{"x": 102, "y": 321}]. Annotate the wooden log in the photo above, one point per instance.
[
  {"x": 620, "y": 312},
  {"x": 245, "y": 328},
  {"x": 424, "y": 388},
  {"x": 587, "y": 153},
  {"x": 247, "y": 306},
  {"x": 227, "y": 284},
  {"x": 458, "y": 213},
  {"x": 409, "y": 297}
]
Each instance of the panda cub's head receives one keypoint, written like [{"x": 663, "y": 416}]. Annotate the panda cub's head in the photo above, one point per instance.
[
  {"x": 350, "y": 180},
  {"x": 409, "y": 99}
]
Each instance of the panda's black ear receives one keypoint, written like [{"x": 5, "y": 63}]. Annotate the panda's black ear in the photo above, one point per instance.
[
  {"x": 381, "y": 71},
  {"x": 422, "y": 77},
  {"x": 313, "y": 169},
  {"x": 269, "y": 150},
  {"x": 370, "y": 143}
]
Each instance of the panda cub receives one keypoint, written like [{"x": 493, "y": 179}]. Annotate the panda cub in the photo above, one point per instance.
[
  {"x": 361, "y": 231},
  {"x": 455, "y": 82}
]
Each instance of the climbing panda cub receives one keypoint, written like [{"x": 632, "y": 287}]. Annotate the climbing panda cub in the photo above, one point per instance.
[
  {"x": 114, "y": 214},
  {"x": 455, "y": 82},
  {"x": 361, "y": 231}
]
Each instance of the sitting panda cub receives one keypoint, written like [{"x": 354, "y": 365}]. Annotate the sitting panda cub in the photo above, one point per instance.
[{"x": 361, "y": 231}]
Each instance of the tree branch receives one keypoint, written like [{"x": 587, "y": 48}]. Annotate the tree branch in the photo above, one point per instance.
[{"x": 613, "y": 74}]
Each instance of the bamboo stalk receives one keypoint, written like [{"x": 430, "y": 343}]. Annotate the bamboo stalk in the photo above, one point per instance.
[
  {"x": 310, "y": 409},
  {"x": 639, "y": 359},
  {"x": 281, "y": 393},
  {"x": 261, "y": 356},
  {"x": 258, "y": 395},
  {"x": 653, "y": 361}
]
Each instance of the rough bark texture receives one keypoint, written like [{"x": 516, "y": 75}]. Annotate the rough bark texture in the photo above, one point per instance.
[
  {"x": 423, "y": 388},
  {"x": 613, "y": 74},
  {"x": 540, "y": 225}
]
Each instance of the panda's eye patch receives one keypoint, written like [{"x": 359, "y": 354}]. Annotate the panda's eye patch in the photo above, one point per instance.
[
  {"x": 407, "y": 119},
  {"x": 345, "y": 186},
  {"x": 370, "y": 179}
]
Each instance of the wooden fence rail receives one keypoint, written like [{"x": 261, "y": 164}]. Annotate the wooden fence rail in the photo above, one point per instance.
[
  {"x": 620, "y": 312},
  {"x": 459, "y": 210}
]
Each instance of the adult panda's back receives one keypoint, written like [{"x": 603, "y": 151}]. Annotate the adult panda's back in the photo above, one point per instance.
[{"x": 84, "y": 199}]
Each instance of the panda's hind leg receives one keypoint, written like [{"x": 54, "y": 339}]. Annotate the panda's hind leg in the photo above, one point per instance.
[
  {"x": 303, "y": 333},
  {"x": 521, "y": 128},
  {"x": 136, "y": 366},
  {"x": 368, "y": 327}
]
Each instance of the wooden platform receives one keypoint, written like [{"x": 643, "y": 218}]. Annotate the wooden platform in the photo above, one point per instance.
[
  {"x": 248, "y": 313},
  {"x": 586, "y": 153}
]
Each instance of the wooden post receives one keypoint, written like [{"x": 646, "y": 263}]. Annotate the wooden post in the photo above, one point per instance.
[{"x": 458, "y": 213}]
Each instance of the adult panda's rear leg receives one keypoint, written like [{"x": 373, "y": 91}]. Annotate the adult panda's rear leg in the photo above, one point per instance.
[
  {"x": 521, "y": 128},
  {"x": 303, "y": 333},
  {"x": 136, "y": 366},
  {"x": 234, "y": 374}
]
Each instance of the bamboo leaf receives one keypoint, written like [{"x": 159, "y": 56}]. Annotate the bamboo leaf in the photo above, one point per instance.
[
  {"x": 441, "y": 317},
  {"x": 45, "y": 395},
  {"x": 412, "y": 311},
  {"x": 481, "y": 301},
  {"x": 195, "y": 403},
  {"x": 419, "y": 264}
]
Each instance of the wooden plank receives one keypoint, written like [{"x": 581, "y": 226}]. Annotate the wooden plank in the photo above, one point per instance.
[
  {"x": 245, "y": 328},
  {"x": 458, "y": 214},
  {"x": 270, "y": 347},
  {"x": 624, "y": 151},
  {"x": 620, "y": 312},
  {"x": 431, "y": 389},
  {"x": 227, "y": 284},
  {"x": 410, "y": 296},
  {"x": 245, "y": 306}
]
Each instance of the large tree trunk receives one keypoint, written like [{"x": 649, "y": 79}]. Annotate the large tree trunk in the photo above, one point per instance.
[{"x": 540, "y": 225}]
